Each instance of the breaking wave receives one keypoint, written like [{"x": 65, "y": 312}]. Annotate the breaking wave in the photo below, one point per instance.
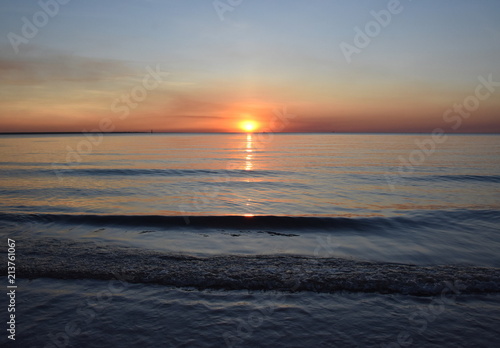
[
  {"x": 66, "y": 259},
  {"x": 290, "y": 223}
]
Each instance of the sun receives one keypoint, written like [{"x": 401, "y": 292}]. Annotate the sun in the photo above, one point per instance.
[{"x": 249, "y": 126}]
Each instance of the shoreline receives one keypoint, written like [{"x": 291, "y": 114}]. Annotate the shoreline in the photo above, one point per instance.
[{"x": 62, "y": 259}]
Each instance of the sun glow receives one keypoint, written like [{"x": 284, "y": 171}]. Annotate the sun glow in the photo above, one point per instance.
[{"x": 248, "y": 126}]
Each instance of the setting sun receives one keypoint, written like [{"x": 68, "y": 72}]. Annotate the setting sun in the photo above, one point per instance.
[{"x": 248, "y": 126}]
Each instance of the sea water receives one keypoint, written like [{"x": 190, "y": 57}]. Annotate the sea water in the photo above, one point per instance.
[{"x": 281, "y": 240}]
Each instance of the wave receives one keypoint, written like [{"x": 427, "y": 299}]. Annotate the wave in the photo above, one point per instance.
[
  {"x": 459, "y": 178},
  {"x": 90, "y": 172},
  {"x": 25, "y": 164},
  {"x": 253, "y": 222},
  {"x": 78, "y": 192},
  {"x": 66, "y": 259},
  {"x": 290, "y": 223}
]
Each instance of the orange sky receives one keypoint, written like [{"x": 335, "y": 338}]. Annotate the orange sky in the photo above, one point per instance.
[{"x": 212, "y": 74}]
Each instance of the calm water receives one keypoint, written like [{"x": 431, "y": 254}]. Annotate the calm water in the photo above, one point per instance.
[
  {"x": 197, "y": 210},
  {"x": 291, "y": 175}
]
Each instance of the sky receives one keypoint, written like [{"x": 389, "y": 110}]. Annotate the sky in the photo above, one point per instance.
[{"x": 287, "y": 65}]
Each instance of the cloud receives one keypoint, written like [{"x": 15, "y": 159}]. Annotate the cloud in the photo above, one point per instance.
[
  {"x": 205, "y": 117},
  {"x": 42, "y": 67}
]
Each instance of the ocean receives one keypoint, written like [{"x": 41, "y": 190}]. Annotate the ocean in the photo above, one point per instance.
[{"x": 245, "y": 240}]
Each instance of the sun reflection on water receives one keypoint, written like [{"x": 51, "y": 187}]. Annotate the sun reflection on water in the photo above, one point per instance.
[{"x": 249, "y": 154}]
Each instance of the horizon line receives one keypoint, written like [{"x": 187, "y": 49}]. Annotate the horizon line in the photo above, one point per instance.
[{"x": 305, "y": 132}]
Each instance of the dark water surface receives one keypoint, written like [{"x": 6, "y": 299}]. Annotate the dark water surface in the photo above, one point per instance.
[{"x": 296, "y": 240}]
